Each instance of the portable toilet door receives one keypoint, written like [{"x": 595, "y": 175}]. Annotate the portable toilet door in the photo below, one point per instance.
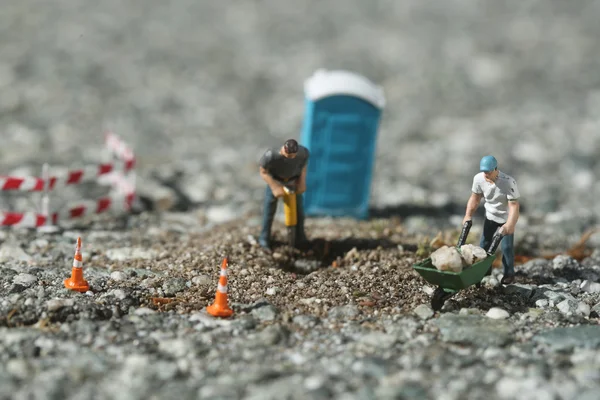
[{"x": 342, "y": 114}]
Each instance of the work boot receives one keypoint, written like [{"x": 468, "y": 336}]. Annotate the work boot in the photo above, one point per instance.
[
  {"x": 507, "y": 279},
  {"x": 264, "y": 243}
]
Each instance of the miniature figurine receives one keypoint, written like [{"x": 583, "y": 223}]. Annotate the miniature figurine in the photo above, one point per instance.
[
  {"x": 501, "y": 210},
  {"x": 283, "y": 167}
]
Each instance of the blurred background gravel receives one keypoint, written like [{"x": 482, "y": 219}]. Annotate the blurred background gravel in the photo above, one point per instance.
[{"x": 201, "y": 88}]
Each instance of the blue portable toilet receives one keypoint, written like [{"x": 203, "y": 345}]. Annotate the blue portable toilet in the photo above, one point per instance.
[{"x": 342, "y": 114}]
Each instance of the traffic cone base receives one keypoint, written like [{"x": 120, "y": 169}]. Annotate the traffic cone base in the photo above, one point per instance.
[
  {"x": 76, "y": 281},
  {"x": 217, "y": 310},
  {"x": 220, "y": 308}
]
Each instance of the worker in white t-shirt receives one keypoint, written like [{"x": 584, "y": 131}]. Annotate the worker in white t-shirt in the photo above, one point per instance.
[{"x": 501, "y": 210}]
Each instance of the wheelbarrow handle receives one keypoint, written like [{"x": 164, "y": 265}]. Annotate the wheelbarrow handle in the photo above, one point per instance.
[
  {"x": 465, "y": 232},
  {"x": 495, "y": 242}
]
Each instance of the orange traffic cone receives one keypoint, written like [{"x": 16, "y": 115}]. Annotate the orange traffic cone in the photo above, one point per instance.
[
  {"x": 76, "y": 281},
  {"x": 220, "y": 308}
]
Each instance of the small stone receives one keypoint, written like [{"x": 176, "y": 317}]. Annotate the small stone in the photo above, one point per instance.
[
  {"x": 428, "y": 290},
  {"x": 590, "y": 287},
  {"x": 347, "y": 311},
  {"x": 272, "y": 291},
  {"x": 265, "y": 313},
  {"x": 128, "y": 253},
  {"x": 307, "y": 265},
  {"x": 18, "y": 368},
  {"x": 583, "y": 309},
  {"x": 119, "y": 294},
  {"x": 469, "y": 311},
  {"x": 563, "y": 261},
  {"x": 423, "y": 311},
  {"x": 490, "y": 281},
  {"x": 57, "y": 304},
  {"x": 251, "y": 240},
  {"x": 305, "y": 321},
  {"x": 542, "y": 303},
  {"x": 554, "y": 296},
  {"x": 314, "y": 382},
  {"x": 525, "y": 291},
  {"x": 144, "y": 311},
  {"x": 16, "y": 288},
  {"x": 202, "y": 280},
  {"x": 567, "y": 306},
  {"x": 173, "y": 286},
  {"x": 534, "y": 313},
  {"x": 497, "y": 313},
  {"x": 118, "y": 276},
  {"x": 378, "y": 339},
  {"x": 25, "y": 279}
]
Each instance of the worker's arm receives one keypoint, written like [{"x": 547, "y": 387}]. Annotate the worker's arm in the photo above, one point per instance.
[
  {"x": 513, "y": 216},
  {"x": 301, "y": 188},
  {"x": 275, "y": 186},
  {"x": 472, "y": 205}
]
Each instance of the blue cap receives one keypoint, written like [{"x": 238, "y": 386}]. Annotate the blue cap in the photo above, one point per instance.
[{"x": 488, "y": 164}]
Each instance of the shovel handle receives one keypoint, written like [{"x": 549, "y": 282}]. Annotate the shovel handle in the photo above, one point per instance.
[
  {"x": 495, "y": 242},
  {"x": 465, "y": 232}
]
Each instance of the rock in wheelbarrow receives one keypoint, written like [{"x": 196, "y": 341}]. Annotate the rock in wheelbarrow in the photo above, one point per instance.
[
  {"x": 472, "y": 254},
  {"x": 447, "y": 259}
]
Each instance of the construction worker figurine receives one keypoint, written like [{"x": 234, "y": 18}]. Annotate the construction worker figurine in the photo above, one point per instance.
[
  {"x": 279, "y": 167},
  {"x": 501, "y": 210}
]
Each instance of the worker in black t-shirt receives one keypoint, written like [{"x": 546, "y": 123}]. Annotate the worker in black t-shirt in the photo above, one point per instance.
[{"x": 279, "y": 167}]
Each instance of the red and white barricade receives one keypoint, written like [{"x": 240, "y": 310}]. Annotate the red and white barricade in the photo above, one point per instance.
[{"x": 120, "y": 174}]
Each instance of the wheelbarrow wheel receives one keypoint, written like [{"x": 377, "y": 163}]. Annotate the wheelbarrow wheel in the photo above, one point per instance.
[{"x": 439, "y": 298}]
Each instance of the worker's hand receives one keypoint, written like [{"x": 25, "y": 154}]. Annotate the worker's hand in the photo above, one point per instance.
[
  {"x": 277, "y": 191},
  {"x": 507, "y": 229},
  {"x": 465, "y": 219}
]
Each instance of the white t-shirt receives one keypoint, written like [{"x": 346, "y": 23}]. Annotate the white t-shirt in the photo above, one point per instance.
[{"x": 496, "y": 195}]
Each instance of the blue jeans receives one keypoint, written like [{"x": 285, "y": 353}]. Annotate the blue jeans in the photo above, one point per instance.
[
  {"x": 269, "y": 208},
  {"x": 507, "y": 245}
]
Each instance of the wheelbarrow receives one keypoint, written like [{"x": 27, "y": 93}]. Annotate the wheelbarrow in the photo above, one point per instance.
[{"x": 449, "y": 283}]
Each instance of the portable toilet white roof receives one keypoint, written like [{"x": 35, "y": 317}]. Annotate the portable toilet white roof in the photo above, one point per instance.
[{"x": 326, "y": 83}]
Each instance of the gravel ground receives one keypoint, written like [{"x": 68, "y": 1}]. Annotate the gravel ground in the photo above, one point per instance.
[
  {"x": 346, "y": 318},
  {"x": 200, "y": 89}
]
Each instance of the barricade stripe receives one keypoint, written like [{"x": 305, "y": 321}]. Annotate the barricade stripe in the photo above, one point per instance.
[
  {"x": 103, "y": 205},
  {"x": 11, "y": 218},
  {"x": 74, "y": 177},
  {"x": 29, "y": 183},
  {"x": 77, "y": 211},
  {"x": 105, "y": 169}
]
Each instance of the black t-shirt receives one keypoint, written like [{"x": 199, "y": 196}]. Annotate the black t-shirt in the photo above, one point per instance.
[{"x": 282, "y": 168}]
